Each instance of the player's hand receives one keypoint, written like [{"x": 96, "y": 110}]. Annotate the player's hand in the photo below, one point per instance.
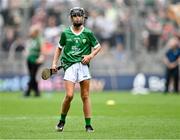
[
  {"x": 40, "y": 60},
  {"x": 86, "y": 59},
  {"x": 54, "y": 68}
]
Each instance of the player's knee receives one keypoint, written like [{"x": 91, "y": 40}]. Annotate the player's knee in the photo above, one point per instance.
[
  {"x": 69, "y": 97},
  {"x": 84, "y": 97}
]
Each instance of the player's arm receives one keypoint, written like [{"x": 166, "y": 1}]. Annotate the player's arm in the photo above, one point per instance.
[
  {"x": 87, "y": 58},
  {"x": 58, "y": 50},
  {"x": 95, "y": 51},
  {"x": 96, "y": 48},
  {"x": 56, "y": 58}
]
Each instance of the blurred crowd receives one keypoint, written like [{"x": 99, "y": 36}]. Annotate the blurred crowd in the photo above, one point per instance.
[{"x": 111, "y": 20}]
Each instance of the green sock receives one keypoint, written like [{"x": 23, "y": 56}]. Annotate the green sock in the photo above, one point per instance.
[
  {"x": 88, "y": 121},
  {"x": 63, "y": 117}
]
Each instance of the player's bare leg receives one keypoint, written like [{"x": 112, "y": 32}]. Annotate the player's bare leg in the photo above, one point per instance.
[
  {"x": 86, "y": 104},
  {"x": 85, "y": 98},
  {"x": 69, "y": 86}
]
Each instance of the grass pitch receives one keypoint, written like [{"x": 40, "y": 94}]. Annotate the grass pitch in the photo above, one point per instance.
[{"x": 153, "y": 116}]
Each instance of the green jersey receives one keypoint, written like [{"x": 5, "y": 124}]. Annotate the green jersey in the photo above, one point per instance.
[
  {"x": 34, "y": 50},
  {"x": 74, "y": 46}
]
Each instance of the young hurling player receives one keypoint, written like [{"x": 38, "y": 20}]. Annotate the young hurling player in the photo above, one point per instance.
[{"x": 75, "y": 52}]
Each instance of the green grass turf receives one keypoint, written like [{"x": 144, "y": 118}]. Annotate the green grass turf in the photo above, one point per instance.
[{"x": 153, "y": 116}]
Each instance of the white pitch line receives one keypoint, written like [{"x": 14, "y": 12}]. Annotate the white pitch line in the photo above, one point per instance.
[
  {"x": 44, "y": 117},
  {"x": 26, "y": 118}
]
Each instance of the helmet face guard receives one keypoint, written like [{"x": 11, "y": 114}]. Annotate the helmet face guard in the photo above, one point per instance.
[{"x": 77, "y": 11}]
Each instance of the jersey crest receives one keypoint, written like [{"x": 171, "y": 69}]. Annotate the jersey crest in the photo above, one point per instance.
[{"x": 84, "y": 41}]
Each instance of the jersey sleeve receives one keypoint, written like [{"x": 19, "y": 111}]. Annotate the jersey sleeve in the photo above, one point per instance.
[
  {"x": 62, "y": 41},
  {"x": 93, "y": 40}
]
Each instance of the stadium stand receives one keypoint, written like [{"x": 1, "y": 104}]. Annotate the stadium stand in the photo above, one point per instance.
[{"x": 122, "y": 26}]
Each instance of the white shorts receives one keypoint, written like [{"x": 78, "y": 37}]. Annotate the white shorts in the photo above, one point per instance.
[{"x": 77, "y": 73}]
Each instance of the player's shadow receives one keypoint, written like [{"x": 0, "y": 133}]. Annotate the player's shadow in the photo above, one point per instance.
[{"x": 70, "y": 131}]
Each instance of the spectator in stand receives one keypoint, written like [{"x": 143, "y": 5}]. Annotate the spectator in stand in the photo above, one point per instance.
[
  {"x": 154, "y": 28},
  {"x": 172, "y": 61},
  {"x": 51, "y": 34},
  {"x": 1, "y": 25},
  {"x": 39, "y": 17},
  {"x": 168, "y": 31},
  {"x": 9, "y": 39}
]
